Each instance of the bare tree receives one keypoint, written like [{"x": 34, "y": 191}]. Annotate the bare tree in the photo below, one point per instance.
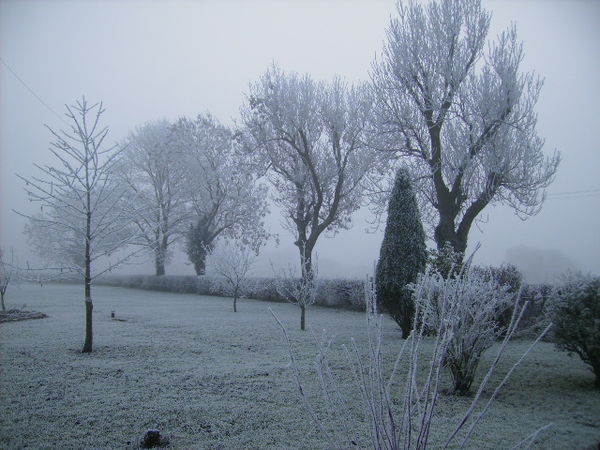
[
  {"x": 230, "y": 264},
  {"x": 299, "y": 289},
  {"x": 81, "y": 218},
  {"x": 225, "y": 196},
  {"x": 6, "y": 274},
  {"x": 152, "y": 170},
  {"x": 311, "y": 137},
  {"x": 463, "y": 118}
]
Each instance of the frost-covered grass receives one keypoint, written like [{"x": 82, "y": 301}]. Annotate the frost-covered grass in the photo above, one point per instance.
[{"x": 210, "y": 378}]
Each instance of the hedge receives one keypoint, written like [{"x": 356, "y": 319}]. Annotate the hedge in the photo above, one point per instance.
[{"x": 339, "y": 293}]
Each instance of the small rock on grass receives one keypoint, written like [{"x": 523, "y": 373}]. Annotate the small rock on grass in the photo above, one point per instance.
[{"x": 153, "y": 439}]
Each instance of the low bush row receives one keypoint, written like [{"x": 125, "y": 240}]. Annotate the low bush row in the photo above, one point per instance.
[{"x": 339, "y": 293}]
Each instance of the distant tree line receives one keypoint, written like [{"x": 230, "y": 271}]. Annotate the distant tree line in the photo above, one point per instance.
[{"x": 459, "y": 118}]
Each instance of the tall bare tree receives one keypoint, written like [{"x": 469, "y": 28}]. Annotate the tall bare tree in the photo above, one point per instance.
[
  {"x": 225, "y": 196},
  {"x": 81, "y": 219},
  {"x": 462, "y": 117},
  {"x": 311, "y": 137},
  {"x": 152, "y": 170}
]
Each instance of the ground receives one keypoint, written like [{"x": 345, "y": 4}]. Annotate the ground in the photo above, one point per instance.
[{"x": 210, "y": 378}]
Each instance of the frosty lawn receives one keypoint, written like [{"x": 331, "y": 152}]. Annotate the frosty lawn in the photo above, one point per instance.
[{"x": 210, "y": 378}]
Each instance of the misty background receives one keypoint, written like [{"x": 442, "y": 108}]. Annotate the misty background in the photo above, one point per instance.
[{"x": 148, "y": 60}]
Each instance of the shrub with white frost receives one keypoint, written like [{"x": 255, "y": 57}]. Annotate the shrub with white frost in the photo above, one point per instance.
[
  {"x": 399, "y": 410},
  {"x": 470, "y": 305},
  {"x": 575, "y": 310}
]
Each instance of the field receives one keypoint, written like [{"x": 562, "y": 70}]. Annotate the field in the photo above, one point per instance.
[{"x": 210, "y": 378}]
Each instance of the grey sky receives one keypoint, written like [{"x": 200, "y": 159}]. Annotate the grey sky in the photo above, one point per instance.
[{"x": 153, "y": 59}]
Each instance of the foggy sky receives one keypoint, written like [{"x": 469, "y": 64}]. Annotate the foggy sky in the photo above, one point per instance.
[{"x": 148, "y": 60}]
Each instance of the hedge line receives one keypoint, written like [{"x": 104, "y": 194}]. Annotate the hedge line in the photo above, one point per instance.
[{"x": 339, "y": 293}]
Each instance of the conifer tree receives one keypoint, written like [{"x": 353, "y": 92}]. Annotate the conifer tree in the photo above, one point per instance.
[{"x": 403, "y": 253}]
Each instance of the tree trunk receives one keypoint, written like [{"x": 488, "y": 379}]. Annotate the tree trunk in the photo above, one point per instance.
[
  {"x": 87, "y": 345},
  {"x": 200, "y": 244},
  {"x": 200, "y": 265},
  {"x": 160, "y": 256},
  {"x": 160, "y": 265},
  {"x": 235, "y": 304},
  {"x": 449, "y": 263},
  {"x": 306, "y": 261},
  {"x": 2, "y": 300},
  {"x": 307, "y": 276},
  {"x": 303, "y": 317},
  {"x": 461, "y": 382},
  {"x": 446, "y": 234}
]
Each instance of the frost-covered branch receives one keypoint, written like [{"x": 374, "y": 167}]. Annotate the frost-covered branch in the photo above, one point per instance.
[{"x": 460, "y": 111}]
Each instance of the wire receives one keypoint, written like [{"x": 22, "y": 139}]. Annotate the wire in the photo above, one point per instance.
[
  {"x": 585, "y": 191},
  {"x": 32, "y": 92},
  {"x": 574, "y": 194}
]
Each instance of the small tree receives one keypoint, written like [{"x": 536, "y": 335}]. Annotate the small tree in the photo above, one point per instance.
[
  {"x": 230, "y": 264},
  {"x": 81, "y": 219},
  {"x": 474, "y": 302},
  {"x": 5, "y": 277},
  {"x": 298, "y": 289},
  {"x": 403, "y": 254},
  {"x": 575, "y": 312}
]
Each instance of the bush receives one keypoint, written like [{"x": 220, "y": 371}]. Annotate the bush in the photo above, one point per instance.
[
  {"x": 399, "y": 410},
  {"x": 534, "y": 318},
  {"x": 575, "y": 311},
  {"x": 469, "y": 305},
  {"x": 506, "y": 275},
  {"x": 445, "y": 261}
]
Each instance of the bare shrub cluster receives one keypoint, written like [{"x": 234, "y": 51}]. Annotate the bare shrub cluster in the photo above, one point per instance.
[
  {"x": 469, "y": 305},
  {"x": 399, "y": 412}
]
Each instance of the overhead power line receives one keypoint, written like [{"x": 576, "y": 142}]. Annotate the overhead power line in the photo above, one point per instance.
[
  {"x": 574, "y": 194},
  {"x": 32, "y": 92}
]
